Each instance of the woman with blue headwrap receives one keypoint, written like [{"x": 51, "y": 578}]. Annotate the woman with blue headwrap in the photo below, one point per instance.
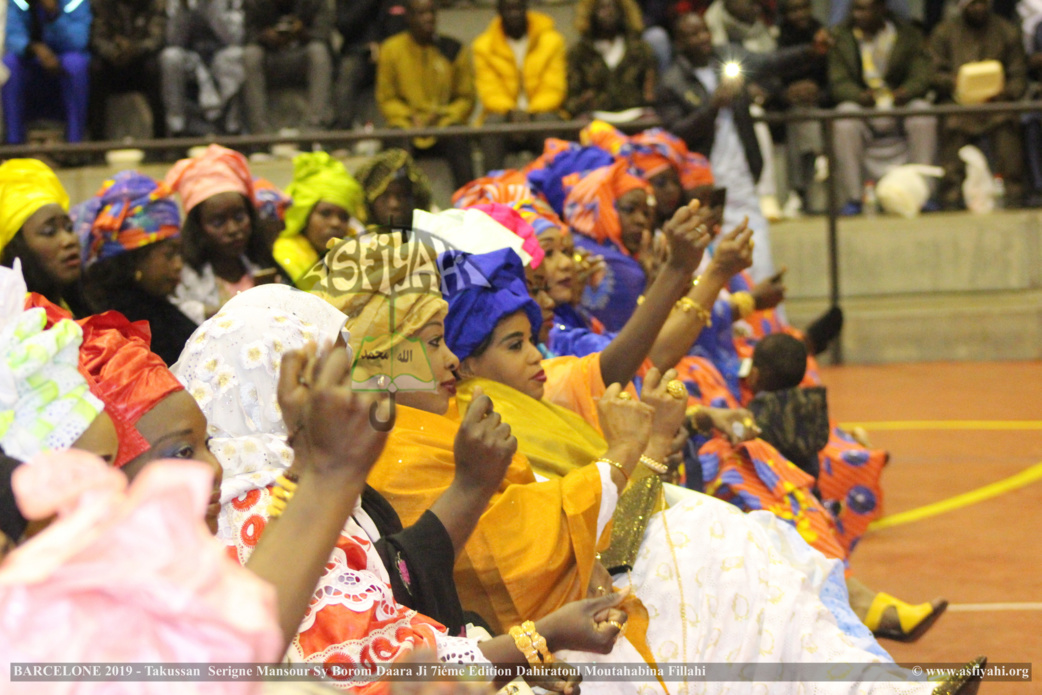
[
  {"x": 132, "y": 231},
  {"x": 721, "y": 568}
]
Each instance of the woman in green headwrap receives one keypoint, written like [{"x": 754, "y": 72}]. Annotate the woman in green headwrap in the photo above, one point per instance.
[
  {"x": 328, "y": 203},
  {"x": 394, "y": 187}
]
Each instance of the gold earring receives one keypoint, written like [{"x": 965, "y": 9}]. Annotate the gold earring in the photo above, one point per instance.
[{"x": 137, "y": 276}]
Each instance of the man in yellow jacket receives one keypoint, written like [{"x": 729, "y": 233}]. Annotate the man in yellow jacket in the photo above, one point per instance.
[
  {"x": 423, "y": 79},
  {"x": 520, "y": 72}
]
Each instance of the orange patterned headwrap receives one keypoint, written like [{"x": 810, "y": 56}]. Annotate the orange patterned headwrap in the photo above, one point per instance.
[
  {"x": 507, "y": 186},
  {"x": 217, "y": 170},
  {"x": 590, "y": 205}
]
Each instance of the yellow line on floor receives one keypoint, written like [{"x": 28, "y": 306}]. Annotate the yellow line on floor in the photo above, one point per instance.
[
  {"x": 1014, "y": 482},
  {"x": 894, "y": 425},
  {"x": 985, "y": 607}
]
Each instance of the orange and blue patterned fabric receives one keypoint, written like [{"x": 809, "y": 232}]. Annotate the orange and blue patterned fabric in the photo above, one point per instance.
[{"x": 129, "y": 211}]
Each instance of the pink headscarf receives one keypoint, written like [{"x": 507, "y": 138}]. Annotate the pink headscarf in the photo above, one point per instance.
[
  {"x": 217, "y": 170},
  {"x": 512, "y": 220},
  {"x": 127, "y": 574}
]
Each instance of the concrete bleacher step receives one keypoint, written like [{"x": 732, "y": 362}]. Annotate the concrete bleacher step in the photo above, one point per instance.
[{"x": 952, "y": 286}]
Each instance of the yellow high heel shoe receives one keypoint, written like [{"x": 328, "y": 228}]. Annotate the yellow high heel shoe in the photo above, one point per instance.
[
  {"x": 911, "y": 621},
  {"x": 965, "y": 683}
]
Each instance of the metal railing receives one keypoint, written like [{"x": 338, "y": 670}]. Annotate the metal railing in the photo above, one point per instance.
[{"x": 338, "y": 138}]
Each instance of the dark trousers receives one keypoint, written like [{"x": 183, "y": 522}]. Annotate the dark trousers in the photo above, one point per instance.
[
  {"x": 140, "y": 76},
  {"x": 29, "y": 85},
  {"x": 456, "y": 151},
  {"x": 496, "y": 147}
]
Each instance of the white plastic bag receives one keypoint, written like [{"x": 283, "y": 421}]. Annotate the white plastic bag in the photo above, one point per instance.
[
  {"x": 904, "y": 190},
  {"x": 978, "y": 190}
]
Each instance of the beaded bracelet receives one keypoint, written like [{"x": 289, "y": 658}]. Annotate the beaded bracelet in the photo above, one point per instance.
[
  {"x": 653, "y": 465},
  {"x": 538, "y": 641},
  {"x": 285, "y": 487},
  {"x": 687, "y": 305},
  {"x": 524, "y": 645},
  {"x": 614, "y": 464}
]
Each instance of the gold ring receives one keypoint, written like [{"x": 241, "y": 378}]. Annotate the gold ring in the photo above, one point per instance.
[
  {"x": 624, "y": 396},
  {"x": 676, "y": 388},
  {"x": 702, "y": 229},
  {"x": 752, "y": 244},
  {"x": 621, "y": 627},
  {"x": 748, "y": 422}
]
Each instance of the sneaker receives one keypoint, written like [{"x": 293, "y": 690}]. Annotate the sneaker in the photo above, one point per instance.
[
  {"x": 852, "y": 208},
  {"x": 770, "y": 208},
  {"x": 793, "y": 207}
]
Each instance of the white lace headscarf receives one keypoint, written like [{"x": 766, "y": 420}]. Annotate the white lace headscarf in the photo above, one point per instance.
[
  {"x": 231, "y": 367},
  {"x": 45, "y": 403}
]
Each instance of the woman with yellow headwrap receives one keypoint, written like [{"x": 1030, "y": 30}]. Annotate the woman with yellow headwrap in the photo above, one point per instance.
[
  {"x": 35, "y": 227},
  {"x": 328, "y": 203}
]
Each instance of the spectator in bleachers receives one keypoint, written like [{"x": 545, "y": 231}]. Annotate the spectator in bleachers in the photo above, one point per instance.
[
  {"x": 204, "y": 48},
  {"x": 804, "y": 88},
  {"x": 520, "y": 73},
  {"x": 659, "y": 16},
  {"x": 424, "y": 79},
  {"x": 742, "y": 23},
  {"x": 610, "y": 68},
  {"x": 877, "y": 62},
  {"x": 47, "y": 42},
  {"x": 709, "y": 110},
  {"x": 1031, "y": 24},
  {"x": 977, "y": 34},
  {"x": 363, "y": 26},
  {"x": 285, "y": 41},
  {"x": 125, "y": 40}
]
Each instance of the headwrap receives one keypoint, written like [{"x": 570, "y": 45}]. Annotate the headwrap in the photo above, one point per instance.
[
  {"x": 542, "y": 218},
  {"x": 26, "y": 185},
  {"x": 318, "y": 177},
  {"x": 648, "y": 153},
  {"x": 45, "y": 403},
  {"x": 216, "y": 170},
  {"x": 128, "y": 573},
  {"x": 128, "y": 377},
  {"x": 389, "y": 289},
  {"x": 231, "y": 367},
  {"x": 651, "y": 151},
  {"x": 551, "y": 181},
  {"x": 504, "y": 186},
  {"x": 377, "y": 173},
  {"x": 271, "y": 202},
  {"x": 590, "y": 207},
  {"x": 481, "y": 229},
  {"x": 483, "y": 289},
  {"x": 129, "y": 211}
]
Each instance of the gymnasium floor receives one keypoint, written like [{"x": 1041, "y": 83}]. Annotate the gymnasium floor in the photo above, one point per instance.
[{"x": 951, "y": 429}]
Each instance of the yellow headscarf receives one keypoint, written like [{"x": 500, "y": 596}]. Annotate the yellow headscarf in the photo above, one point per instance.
[
  {"x": 316, "y": 177},
  {"x": 26, "y": 185},
  {"x": 370, "y": 279}
]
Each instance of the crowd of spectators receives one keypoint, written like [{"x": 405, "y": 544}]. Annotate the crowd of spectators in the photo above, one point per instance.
[{"x": 191, "y": 58}]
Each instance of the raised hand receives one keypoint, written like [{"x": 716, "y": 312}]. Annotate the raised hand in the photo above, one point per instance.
[
  {"x": 328, "y": 424},
  {"x": 669, "y": 409},
  {"x": 626, "y": 424},
  {"x": 484, "y": 446},
  {"x": 734, "y": 252},
  {"x": 770, "y": 292},
  {"x": 688, "y": 234},
  {"x": 737, "y": 425}
]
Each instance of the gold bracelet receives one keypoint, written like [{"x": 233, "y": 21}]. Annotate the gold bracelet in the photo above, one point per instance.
[
  {"x": 538, "y": 641},
  {"x": 653, "y": 465},
  {"x": 614, "y": 464},
  {"x": 687, "y": 305},
  {"x": 285, "y": 487},
  {"x": 744, "y": 303},
  {"x": 524, "y": 645}
]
